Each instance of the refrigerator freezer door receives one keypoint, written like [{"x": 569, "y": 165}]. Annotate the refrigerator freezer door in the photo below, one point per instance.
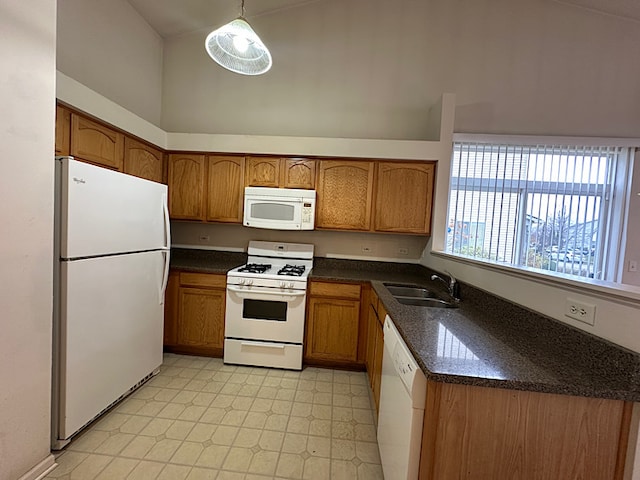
[
  {"x": 105, "y": 212},
  {"x": 110, "y": 332}
]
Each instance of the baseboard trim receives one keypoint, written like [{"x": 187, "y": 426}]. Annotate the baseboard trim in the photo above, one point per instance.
[{"x": 41, "y": 470}]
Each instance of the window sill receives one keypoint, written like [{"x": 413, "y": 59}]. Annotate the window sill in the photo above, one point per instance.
[{"x": 621, "y": 293}]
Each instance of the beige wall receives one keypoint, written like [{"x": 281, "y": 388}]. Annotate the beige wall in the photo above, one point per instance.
[
  {"x": 108, "y": 46},
  {"x": 326, "y": 244},
  {"x": 27, "y": 92},
  {"x": 371, "y": 69},
  {"x": 632, "y": 246}
]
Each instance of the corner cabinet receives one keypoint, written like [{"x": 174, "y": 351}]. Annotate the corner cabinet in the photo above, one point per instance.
[
  {"x": 333, "y": 324},
  {"x": 194, "y": 313},
  {"x": 142, "y": 160},
  {"x": 186, "y": 180},
  {"x": 404, "y": 196},
  {"x": 345, "y": 192}
]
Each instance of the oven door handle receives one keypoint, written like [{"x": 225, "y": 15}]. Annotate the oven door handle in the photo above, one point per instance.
[
  {"x": 275, "y": 346},
  {"x": 267, "y": 292}
]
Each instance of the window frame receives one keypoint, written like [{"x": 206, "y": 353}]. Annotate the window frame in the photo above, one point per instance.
[{"x": 609, "y": 288}]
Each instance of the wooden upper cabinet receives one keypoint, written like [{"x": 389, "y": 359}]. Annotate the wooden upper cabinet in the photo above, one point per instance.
[
  {"x": 225, "y": 199},
  {"x": 143, "y": 160},
  {"x": 96, "y": 143},
  {"x": 63, "y": 131},
  {"x": 344, "y": 194},
  {"x": 298, "y": 173},
  {"x": 281, "y": 172},
  {"x": 404, "y": 196},
  {"x": 263, "y": 172},
  {"x": 186, "y": 179}
]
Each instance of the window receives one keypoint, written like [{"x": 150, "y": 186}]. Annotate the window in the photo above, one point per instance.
[{"x": 542, "y": 206}]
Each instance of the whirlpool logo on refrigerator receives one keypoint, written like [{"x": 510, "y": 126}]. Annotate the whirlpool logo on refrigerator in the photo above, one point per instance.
[{"x": 78, "y": 180}]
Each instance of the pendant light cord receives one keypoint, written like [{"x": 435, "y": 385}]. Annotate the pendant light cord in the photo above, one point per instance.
[{"x": 242, "y": 9}]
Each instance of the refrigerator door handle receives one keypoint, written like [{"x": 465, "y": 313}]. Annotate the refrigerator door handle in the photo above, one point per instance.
[
  {"x": 165, "y": 275},
  {"x": 167, "y": 225}
]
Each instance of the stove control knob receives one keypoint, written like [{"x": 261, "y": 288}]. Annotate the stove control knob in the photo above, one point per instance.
[
  {"x": 283, "y": 285},
  {"x": 249, "y": 281},
  {"x": 241, "y": 281},
  {"x": 290, "y": 285}
]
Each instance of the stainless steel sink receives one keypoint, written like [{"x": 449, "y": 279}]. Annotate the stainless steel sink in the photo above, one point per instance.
[
  {"x": 427, "y": 302},
  {"x": 418, "y": 296},
  {"x": 409, "y": 291}
]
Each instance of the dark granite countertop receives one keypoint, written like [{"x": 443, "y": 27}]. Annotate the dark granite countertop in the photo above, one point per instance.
[{"x": 487, "y": 341}]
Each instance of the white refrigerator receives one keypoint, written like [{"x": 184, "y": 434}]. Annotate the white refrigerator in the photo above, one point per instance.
[{"x": 111, "y": 268}]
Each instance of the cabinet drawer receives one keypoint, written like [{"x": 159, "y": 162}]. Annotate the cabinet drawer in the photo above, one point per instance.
[
  {"x": 210, "y": 280},
  {"x": 339, "y": 290}
]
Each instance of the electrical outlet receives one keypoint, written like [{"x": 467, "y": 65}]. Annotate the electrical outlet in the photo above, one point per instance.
[
  {"x": 583, "y": 312},
  {"x": 204, "y": 238},
  {"x": 367, "y": 249},
  {"x": 403, "y": 251},
  {"x": 633, "y": 265}
]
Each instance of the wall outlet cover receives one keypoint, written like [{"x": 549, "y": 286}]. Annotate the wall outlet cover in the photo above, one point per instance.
[{"x": 581, "y": 311}]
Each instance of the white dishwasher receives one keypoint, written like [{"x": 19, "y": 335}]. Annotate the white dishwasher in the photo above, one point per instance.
[{"x": 403, "y": 391}]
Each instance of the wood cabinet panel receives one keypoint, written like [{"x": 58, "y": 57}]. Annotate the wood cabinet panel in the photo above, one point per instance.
[
  {"x": 225, "y": 198},
  {"x": 96, "y": 143},
  {"x": 188, "y": 279},
  {"x": 344, "y": 195},
  {"x": 263, "y": 172},
  {"x": 143, "y": 160},
  {"x": 201, "y": 318},
  {"x": 478, "y": 432},
  {"x": 335, "y": 290},
  {"x": 186, "y": 179},
  {"x": 63, "y": 131},
  {"x": 332, "y": 329},
  {"x": 171, "y": 309},
  {"x": 375, "y": 346},
  {"x": 298, "y": 173},
  {"x": 404, "y": 196}
]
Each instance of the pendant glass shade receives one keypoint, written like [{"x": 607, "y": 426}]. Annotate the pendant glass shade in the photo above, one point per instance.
[{"x": 238, "y": 48}]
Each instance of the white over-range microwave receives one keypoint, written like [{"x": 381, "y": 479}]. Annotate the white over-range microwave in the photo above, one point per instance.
[{"x": 279, "y": 208}]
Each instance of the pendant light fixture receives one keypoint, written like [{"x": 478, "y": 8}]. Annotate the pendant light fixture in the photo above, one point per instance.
[{"x": 236, "y": 47}]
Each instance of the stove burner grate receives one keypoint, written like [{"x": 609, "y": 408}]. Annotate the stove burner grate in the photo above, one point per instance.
[
  {"x": 292, "y": 270},
  {"x": 255, "y": 267}
]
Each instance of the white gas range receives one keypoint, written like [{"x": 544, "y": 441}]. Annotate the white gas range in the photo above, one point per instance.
[{"x": 265, "y": 311}]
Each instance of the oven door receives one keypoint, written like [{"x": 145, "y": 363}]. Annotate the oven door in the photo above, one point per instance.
[{"x": 263, "y": 313}]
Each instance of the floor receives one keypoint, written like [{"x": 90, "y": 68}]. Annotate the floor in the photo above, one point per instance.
[{"x": 200, "y": 419}]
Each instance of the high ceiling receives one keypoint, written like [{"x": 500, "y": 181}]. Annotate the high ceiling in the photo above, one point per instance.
[{"x": 170, "y": 17}]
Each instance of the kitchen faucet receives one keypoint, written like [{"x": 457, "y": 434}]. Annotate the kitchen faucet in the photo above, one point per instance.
[{"x": 452, "y": 285}]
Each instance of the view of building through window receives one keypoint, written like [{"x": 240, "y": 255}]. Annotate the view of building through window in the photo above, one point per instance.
[{"x": 542, "y": 206}]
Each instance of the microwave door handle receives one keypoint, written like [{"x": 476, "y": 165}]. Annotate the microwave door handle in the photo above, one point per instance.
[{"x": 280, "y": 294}]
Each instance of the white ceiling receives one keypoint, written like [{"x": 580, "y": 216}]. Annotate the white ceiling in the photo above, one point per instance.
[{"x": 170, "y": 17}]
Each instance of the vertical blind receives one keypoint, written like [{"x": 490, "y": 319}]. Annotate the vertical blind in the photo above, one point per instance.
[{"x": 539, "y": 206}]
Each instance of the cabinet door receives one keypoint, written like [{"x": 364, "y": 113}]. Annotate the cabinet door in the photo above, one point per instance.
[
  {"x": 171, "y": 297},
  {"x": 96, "y": 143},
  {"x": 63, "y": 131},
  {"x": 263, "y": 172},
  {"x": 298, "y": 173},
  {"x": 377, "y": 362},
  {"x": 332, "y": 329},
  {"x": 404, "y": 195},
  {"x": 344, "y": 195},
  {"x": 186, "y": 186},
  {"x": 201, "y": 318},
  {"x": 226, "y": 189},
  {"x": 142, "y": 160}
]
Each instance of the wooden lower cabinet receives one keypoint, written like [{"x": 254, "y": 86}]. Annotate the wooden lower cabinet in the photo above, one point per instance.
[
  {"x": 491, "y": 433},
  {"x": 375, "y": 345},
  {"x": 333, "y": 325},
  {"x": 194, "y": 313}
]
